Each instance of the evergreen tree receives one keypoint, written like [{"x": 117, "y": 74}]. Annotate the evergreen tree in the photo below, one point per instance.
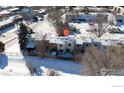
[
  {"x": 23, "y": 35},
  {"x": 2, "y": 47}
]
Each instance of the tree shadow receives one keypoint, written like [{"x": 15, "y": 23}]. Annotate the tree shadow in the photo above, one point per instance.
[{"x": 3, "y": 61}]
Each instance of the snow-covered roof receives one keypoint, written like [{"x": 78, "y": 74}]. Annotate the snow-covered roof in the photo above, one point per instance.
[
  {"x": 88, "y": 17},
  {"x": 81, "y": 40},
  {"x": 4, "y": 12},
  {"x": 80, "y": 26},
  {"x": 10, "y": 29},
  {"x": 4, "y": 7},
  {"x": 56, "y": 40},
  {"x": 13, "y": 9},
  {"x": 7, "y": 21},
  {"x": 41, "y": 10},
  {"x": 105, "y": 42},
  {"x": 111, "y": 42},
  {"x": 61, "y": 40},
  {"x": 26, "y": 10}
]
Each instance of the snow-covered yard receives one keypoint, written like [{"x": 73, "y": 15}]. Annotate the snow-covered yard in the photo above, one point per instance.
[
  {"x": 60, "y": 65},
  {"x": 15, "y": 69},
  {"x": 14, "y": 48},
  {"x": 42, "y": 28},
  {"x": 16, "y": 64}
]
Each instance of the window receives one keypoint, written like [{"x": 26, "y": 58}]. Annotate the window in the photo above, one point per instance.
[
  {"x": 95, "y": 45},
  {"x": 66, "y": 39},
  {"x": 69, "y": 44},
  {"x": 119, "y": 10},
  {"x": 53, "y": 49},
  {"x": 67, "y": 50},
  {"x": 86, "y": 45},
  {"x": 77, "y": 45},
  {"x": 60, "y": 50},
  {"x": 120, "y": 20},
  {"x": 82, "y": 51},
  {"x": 105, "y": 47},
  {"x": 119, "y": 43},
  {"x": 83, "y": 20},
  {"x": 115, "y": 9},
  {"x": 61, "y": 45}
]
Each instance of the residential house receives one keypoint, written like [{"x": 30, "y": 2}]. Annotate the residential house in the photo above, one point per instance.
[
  {"x": 62, "y": 44},
  {"x": 118, "y": 9}
]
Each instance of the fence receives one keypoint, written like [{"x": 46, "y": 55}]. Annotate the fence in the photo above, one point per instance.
[
  {"x": 16, "y": 54},
  {"x": 21, "y": 57},
  {"x": 26, "y": 55}
]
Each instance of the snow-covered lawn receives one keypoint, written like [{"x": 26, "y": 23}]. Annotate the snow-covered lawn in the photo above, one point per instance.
[
  {"x": 14, "y": 48},
  {"x": 15, "y": 69},
  {"x": 57, "y": 64}
]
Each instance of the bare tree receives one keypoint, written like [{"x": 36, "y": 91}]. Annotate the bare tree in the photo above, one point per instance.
[
  {"x": 29, "y": 65},
  {"x": 100, "y": 24},
  {"x": 86, "y": 10},
  {"x": 56, "y": 15},
  {"x": 55, "y": 18},
  {"x": 77, "y": 58},
  {"x": 112, "y": 19},
  {"x": 103, "y": 63},
  {"x": 71, "y": 13},
  {"x": 42, "y": 46},
  {"x": 115, "y": 56},
  {"x": 92, "y": 59},
  {"x": 52, "y": 72}
]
